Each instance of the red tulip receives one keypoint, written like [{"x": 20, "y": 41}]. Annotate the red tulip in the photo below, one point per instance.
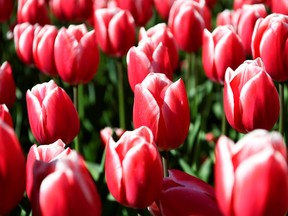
[
  {"x": 160, "y": 33},
  {"x": 269, "y": 41},
  {"x": 147, "y": 57},
  {"x": 76, "y": 54},
  {"x": 6, "y": 9},
  {"x": 163, "y": 7},
  {"x": 162, "y": 106},
  {"x": 108, "y": 132},
  {"x": 239, "y": 3},
  {"x": 186, "y": 21},
  {"x": 5, "y": 115},
  {"x": 53, "y": 168},
  {"x": 279, "y": 6},
  {"x": 51, "y": 113},
  {"x": 23, "y": 38},
  {"x": 12, "y": 172},
  {"x": 7, "y": 85},
  {"x": 141, "y": 10},
  {"x": 133, "y": 168},
  {"x": 183, "y": 194},
  {"x": 43, "y": 49},
  {"x": 245, "y": 19},
  {"x": 225, "y": 17},
  {"x": 251, "y": 177},
  {"x": 221, "y": 49},
  {"x": 115, "y": 30},
  {"x": 250, "y": 97},
  {"x": 72, "y": 10},
  {"x": 32, "y": 11}
]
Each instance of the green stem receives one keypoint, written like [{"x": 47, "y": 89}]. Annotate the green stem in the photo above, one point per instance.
[
  {"x": 165, "y": 159},
  {"x": 224, "y": 122},
  {"x": 75, "y": 101},
  {"x": 281, "y": 116},
  {"x": 121, "y": 95}
]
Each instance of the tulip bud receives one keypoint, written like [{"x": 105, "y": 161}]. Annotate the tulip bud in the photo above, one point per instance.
[
  {"x": 12, "y": 172},
  {"x": 133, "y": 168},
  {"x": 162, "y": 106},
  {"x": 251, "y": 177},
  {"x": 51, "y": 113},
  {"x": 250, "y": 97},
  {"x": 76, "y": 54},
  {"x": 7, "y": 85}
]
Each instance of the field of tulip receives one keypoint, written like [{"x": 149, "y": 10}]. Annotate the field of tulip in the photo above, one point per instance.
[{"x": 143, "y": 107}]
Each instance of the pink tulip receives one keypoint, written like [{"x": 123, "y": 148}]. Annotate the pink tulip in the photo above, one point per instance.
[
  {"x": 5, "y": 115},
  {"x": 51, "y": 113},
  {"x": 251, "y": 177},
  {"x": 76, "y": 54},
  {"x": 163, "y": 7},
  {"x": 12, "y": 172},
  {"x": 221, "y": 49},
  {"x": 53, "y": 168},
  {"x": 6, "y": 9},
  {"x": 161, "y": 33},
  {"x": 133, "y": 168},
  {"x": 115, "y": 30},
  {"x": 146, "y": 58},
  {"x": 269, "y": 41},
  {"x": 225, "y": 17},
  {"x": 162, "y": 106},
  {"x": 183, "y": 194},
  {"x": 250, "y": 97},
  {"x": 43, "y": 49},
  {"x": 108, "y": 132},
  {"x": 7, "y": 85}
]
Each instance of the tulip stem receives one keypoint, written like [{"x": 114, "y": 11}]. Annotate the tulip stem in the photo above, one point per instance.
[
  {"x": 121, "y": 95},
  {"x": 165, "y": 159},
  {"x": 75, "y": 101},
  {"x": 281, "y": 116},
  {"x": 224, "y": 122}
]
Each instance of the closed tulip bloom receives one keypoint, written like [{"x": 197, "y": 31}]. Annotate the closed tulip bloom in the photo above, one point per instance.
[
  {"x": 23, "y": 39},
  {"x": 43, "y": 50},
  {"x": 141, "y": 10},
  {"x": 225, "y": 17},
  {"x": 250, "y": 97},
  {"x": 72, "y": 10},
  {"x": 146, "y": 58},
  {"x": 51, "y": 113},
  {"x": 245, "y": 19},
  {"x": 12, "y": 172},
  {"x": 269, "y": 41},
  {"x": 251, "y": 177},
  {"x": 163, "y": 7},
  {"x": 33, "y": 11},
  {"x": 160, "y": 33},
  {"x": 76, "y": 54},
  {"x": 6, "y": 9},
  {"x": 162, "y": 105},
  {"x": 221, "y": 49},
  {"x": 7, "y": 85},
  {"x": 186, "y": 21},
  {"x": 178, "y": 191},
  {"x": 133, "y": 168},
  {"x": 115, "y": 30},
  {"x": 5, "y": 115},
  {"x": 53, "y": 168}
]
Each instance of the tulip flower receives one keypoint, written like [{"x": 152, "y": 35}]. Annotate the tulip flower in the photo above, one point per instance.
[
  {"x": 146, "y": 58},
  {"x": 53, "y": 168},
  {"x": 43, "y": 49},
  {"x": 76, "y": 54},
  {"x": 12, "y": 172},
  {"x": 183, "y": 194},
  {"x": 115, "y": 30},
  {"x": 141, "y": 10},
  {"x": 221, "y": 49},
  {"x": 72, "y": 10},
  {"x": 162, "y": 105},
  {"x": 163, "y": 7},
  {"x": 108, "y": 132},
  {"x": 269, "y": 41},
  {"x": 239, "y": 3},
  {"x": 187, "y": 22},
  {"x": 23, "y": 38},
  {"x": 51, "y": 113},
  {"x": 5, "y": 115},
  {"x": 245, "y": 19},
  {"x": 251, "y": 177},
  {"x": 32, "y": 11},
  {"x": 7, "y": 85},
  {"x": 160, "y": 33},
  {"x": 279, "y": 6},
  {"x": 6, "y": 9},
  {"x": 250, "y": 97},
  {"x": 133, "y": 168},
  {"x": 225, "y": 17}
]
